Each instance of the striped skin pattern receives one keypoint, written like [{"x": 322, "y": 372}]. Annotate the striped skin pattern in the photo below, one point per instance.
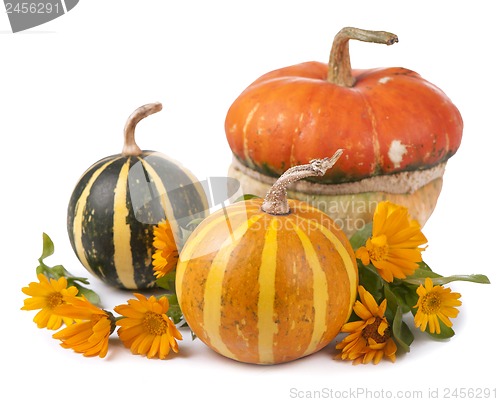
[
  {"x": 266, "y": 289},
  {"x": 113, "y": 210}
]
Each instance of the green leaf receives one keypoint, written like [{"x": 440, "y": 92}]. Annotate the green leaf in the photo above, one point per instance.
[
  {"x": 58, "y": 271},
  {"x": 359, "y": 238},
  {"x": 174, "y": 311},
  {"x": 394, "y": 302},
  {"x": 400, "y": 331},
  {"x": 411, "y": 297},
  {"x": 40, "y": 270},
  {"x": 89, "y": 294},
  {"x": 184, "y": 236},
  {"x": 424, "y": 271},
  {"x": 424, "y": 266},
  {"x": 446, "y": 332},
  {"x": 77, "y": 278},
  {"x": 245, "y": 197},
  {"x": 193, "y": 224},
  {"x": 476, "y": 278},
  {"x": 406, "y": 294},
  {"x": 442, "y": 280},
  {"x": 167, "y": 282},
  {"x": 371, "y": 281},
  {"x": 48, "y": 247}
]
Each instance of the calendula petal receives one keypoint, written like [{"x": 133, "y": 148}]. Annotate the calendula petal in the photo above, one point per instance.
[{"x": 150, "y": 332}]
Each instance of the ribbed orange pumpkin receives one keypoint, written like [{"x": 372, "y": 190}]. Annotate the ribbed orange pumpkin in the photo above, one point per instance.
[
  {"x": 389, "y": 120},
  {"x": 398, "y": 129},
  {"x": 268, "y": 281}
]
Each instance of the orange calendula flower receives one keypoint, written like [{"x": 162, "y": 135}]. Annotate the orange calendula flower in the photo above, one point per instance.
[
  {"x": 166, "y": 254},
  {"x": 145, "y": 328},
  {"x": 90, "y": 335},
  {"x": 370, "y": 338},
  {"x": 395, "y": 245},
  {"x": 436, "y": 304},
  {"x": 46, "y": 295}
]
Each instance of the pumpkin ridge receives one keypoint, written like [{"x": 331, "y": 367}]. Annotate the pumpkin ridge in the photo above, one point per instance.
[
  {"x": 240, "y": 332},
  {"x": 164, "y": 199},
  {"x": 213, "y": 287},
  {"x": 123, "y": 259},
  {"x": 320, "y": 291},
  {"x": 245, "y": 137},
  {"x": 97, "y": 238},
  {"x": 184, "y": 177},
  {"x": 145, "y": 211},
  {"x": 76, "y": 212},
  {"x": 294, "y": 302},
  {"x": 190, "y": 249},
  {"x": 377, "y": 157},
  {"x": 181, "y": 195},
  {"x": 267, "y": 292},
  {"x": 350, "y": 266}
]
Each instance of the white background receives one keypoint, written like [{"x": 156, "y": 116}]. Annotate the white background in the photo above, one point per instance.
[{"x": 66, "y": 90}]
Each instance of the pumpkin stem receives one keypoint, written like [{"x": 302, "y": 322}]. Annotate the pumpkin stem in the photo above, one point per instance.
[
  {"x": 130, "y": 148},
  {"x": 339, "y": 66},
  {"x": 275, "y": 201}
]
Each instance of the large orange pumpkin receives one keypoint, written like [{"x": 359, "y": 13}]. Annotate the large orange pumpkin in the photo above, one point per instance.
[
  {"x": 268, "y": 281},
  {"x": 398, "y": 129}
]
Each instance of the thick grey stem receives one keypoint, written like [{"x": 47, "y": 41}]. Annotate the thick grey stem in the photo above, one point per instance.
[
  {"x": 276, "y": 202},
  {"x": 130, "y": 147}
]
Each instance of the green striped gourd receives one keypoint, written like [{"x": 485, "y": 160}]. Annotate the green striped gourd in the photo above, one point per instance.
[
  {"x": 118, "y": 201},
  {"x": 270, "y": 280}
]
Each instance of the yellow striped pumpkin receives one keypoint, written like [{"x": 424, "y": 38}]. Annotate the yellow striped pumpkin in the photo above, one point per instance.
[
  {"x": 117, "y": 202},
  {"x": 267, "y": 287}
]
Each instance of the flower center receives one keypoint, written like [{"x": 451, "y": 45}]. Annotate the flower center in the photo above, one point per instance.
[
  {"x": 431, "y": 303},
  {"x": 54, "y": 299},
  {"x": 378, "y": 248},
  {"x": 155, "y": 323},
  {"x": 371, "y": 331}
]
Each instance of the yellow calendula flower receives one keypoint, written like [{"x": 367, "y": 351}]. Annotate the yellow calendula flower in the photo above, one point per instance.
[
  {"x": 166, "y": 253},
  {"x": 90, "y": 335},
  {"x": 436, "y": 304},
  {"x": 395, "y": 245},
  {"x": 370, "y": 338},
  {"x": 46, "y": 295},
  {"x": 145, "y": 328}
]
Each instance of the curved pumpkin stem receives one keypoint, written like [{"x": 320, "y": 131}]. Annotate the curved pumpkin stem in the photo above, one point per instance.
[
  {"x": 130, "y": 148},
  {"x": 276, "y": 202},
  {"x": 339, "y": 66}
]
